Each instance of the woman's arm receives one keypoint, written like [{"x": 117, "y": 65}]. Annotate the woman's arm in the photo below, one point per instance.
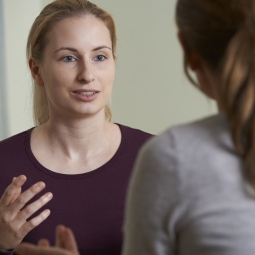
[{"x": 152, "y": 200}]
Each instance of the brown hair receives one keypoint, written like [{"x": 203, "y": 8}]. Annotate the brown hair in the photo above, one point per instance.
[
  {"x": 51, "y": 14},
  {"x": 222, "y": 32}
]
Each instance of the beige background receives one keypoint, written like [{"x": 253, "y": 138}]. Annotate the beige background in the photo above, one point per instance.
[{"x": 150, "y": 90}]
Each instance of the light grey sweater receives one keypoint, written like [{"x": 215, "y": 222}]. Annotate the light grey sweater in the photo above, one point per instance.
[{"x": 188, "y": 195}]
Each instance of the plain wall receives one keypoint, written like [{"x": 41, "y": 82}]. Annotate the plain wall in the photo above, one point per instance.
[
  {"x": 150, "y": 89},
  {"x": 3, "y": 110},
  {"x": 18, "y": 17}
]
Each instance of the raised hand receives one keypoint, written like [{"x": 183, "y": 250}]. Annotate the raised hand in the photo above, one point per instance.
[
  {"x": 13, "y": 214},
  {"x": 65, "y": 245}
]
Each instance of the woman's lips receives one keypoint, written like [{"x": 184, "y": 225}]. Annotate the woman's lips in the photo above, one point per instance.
[
  {"x": 86, "y": 93},
  {"x": 85, "y": 96}
]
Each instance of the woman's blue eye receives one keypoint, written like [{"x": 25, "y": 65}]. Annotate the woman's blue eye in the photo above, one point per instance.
[
  {"x": 100, "y": 58},
  {"x": 68, "y": 59}
]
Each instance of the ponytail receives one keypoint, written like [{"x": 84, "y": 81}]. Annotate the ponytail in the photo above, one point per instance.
[
  {"x": 222, "y": 33},
  {"x": 237, "y": 94}
]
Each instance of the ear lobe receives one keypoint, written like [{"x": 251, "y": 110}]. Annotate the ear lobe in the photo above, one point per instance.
[
  {"x": 181, "y": 41},
  {"x": 35, "y": 72},
  {"x": 193, "y": 61}
]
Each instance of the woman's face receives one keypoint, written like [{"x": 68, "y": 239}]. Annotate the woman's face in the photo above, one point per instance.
[{"x": 78, "y": 67}]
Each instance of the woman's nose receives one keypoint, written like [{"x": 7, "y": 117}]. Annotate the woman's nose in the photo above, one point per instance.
[{"x": 86, "y": 72}]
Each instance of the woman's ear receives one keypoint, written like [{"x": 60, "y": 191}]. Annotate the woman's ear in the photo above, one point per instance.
[
  {"x": 35, "y": 71},
  {"x": 193, "y": 59},
  {"x": 197, "y": 65},
  {"x": 181, "y": 41}
]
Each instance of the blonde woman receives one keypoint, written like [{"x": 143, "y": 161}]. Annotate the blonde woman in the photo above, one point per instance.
[
  {"x": 83, "y": 158},
  {"x": 193, "y": 188}
]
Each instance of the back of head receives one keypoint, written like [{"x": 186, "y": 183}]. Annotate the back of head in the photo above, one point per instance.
[
  {"x": 37, "y": 40},
  {"x": 222, "y": 33}
]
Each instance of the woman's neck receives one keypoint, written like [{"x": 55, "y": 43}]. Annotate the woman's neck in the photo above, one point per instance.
[
  {"x": 76, "y": 137},
  {"x": 75, "y": 146}
]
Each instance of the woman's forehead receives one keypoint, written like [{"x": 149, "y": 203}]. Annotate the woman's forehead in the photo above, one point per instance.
[{"x": 86, "y": 31}]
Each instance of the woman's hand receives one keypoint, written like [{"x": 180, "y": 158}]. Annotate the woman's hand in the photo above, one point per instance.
[
  {"x": 13, "y": 214},
  {"x": 65, "y": 245}
]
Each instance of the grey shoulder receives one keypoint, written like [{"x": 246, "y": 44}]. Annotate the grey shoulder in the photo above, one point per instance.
[
  {"x": 190, "y": 144},
  {"x": 211, "y": 131},
  {"x": 206, "y": 128},
  {"x": 203, "y": 126}
]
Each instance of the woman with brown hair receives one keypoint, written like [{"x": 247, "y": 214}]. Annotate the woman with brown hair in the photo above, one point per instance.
[
  {"x": 193, "y": 188},
  {"x": 83, "y": 158}
]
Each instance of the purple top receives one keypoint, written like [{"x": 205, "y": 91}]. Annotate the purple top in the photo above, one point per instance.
[{"x": 91, "y": 204}]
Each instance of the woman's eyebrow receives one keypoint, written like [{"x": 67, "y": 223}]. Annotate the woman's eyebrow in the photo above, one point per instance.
[
  {"x": 102, "y": 47},
  {"x": 66, "y": 48},
  {"x": 74, "y": 50}
]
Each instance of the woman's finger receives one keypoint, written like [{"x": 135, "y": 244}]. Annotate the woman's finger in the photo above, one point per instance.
[
  {"x": 34, "y": 207},
  {"x": 28, "y": 226},
  {"x": 70, "y": 242},
  {"x": 44, "y": 243},
  {"x": 60, "y": 237},
  {"x": 16, "y": 195},
  {"x": 12, "y": 190},
  {"x": 29, "y": 249},
  {"x": 26, "y": 196}
]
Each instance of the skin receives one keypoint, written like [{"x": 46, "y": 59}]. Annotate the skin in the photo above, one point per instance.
[
  {"x": 13, "y": 224},
  {"x": 77, "y": 138},
  {"x": 65, "y": 245}
]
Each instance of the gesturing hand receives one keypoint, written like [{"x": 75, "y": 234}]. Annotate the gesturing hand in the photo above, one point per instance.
[
  {"x": 13, "y": 214},
  {"x": 65, "y": 245}
]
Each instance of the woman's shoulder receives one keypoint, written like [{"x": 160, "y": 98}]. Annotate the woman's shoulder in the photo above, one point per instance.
[
  {"x": 133, "y": 136},
  {"x": 207, "y": 136},
  {"x": 14, "y": 141},
  {"x": 214, "y": 128},
  {"x": 208, "y": 132},
  {"x": 205, "y": 125}
]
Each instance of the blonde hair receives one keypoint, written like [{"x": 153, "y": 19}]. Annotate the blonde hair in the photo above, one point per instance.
[
  {"x": 51, "y": 14},
  {"x": 222, "y": 32}
]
